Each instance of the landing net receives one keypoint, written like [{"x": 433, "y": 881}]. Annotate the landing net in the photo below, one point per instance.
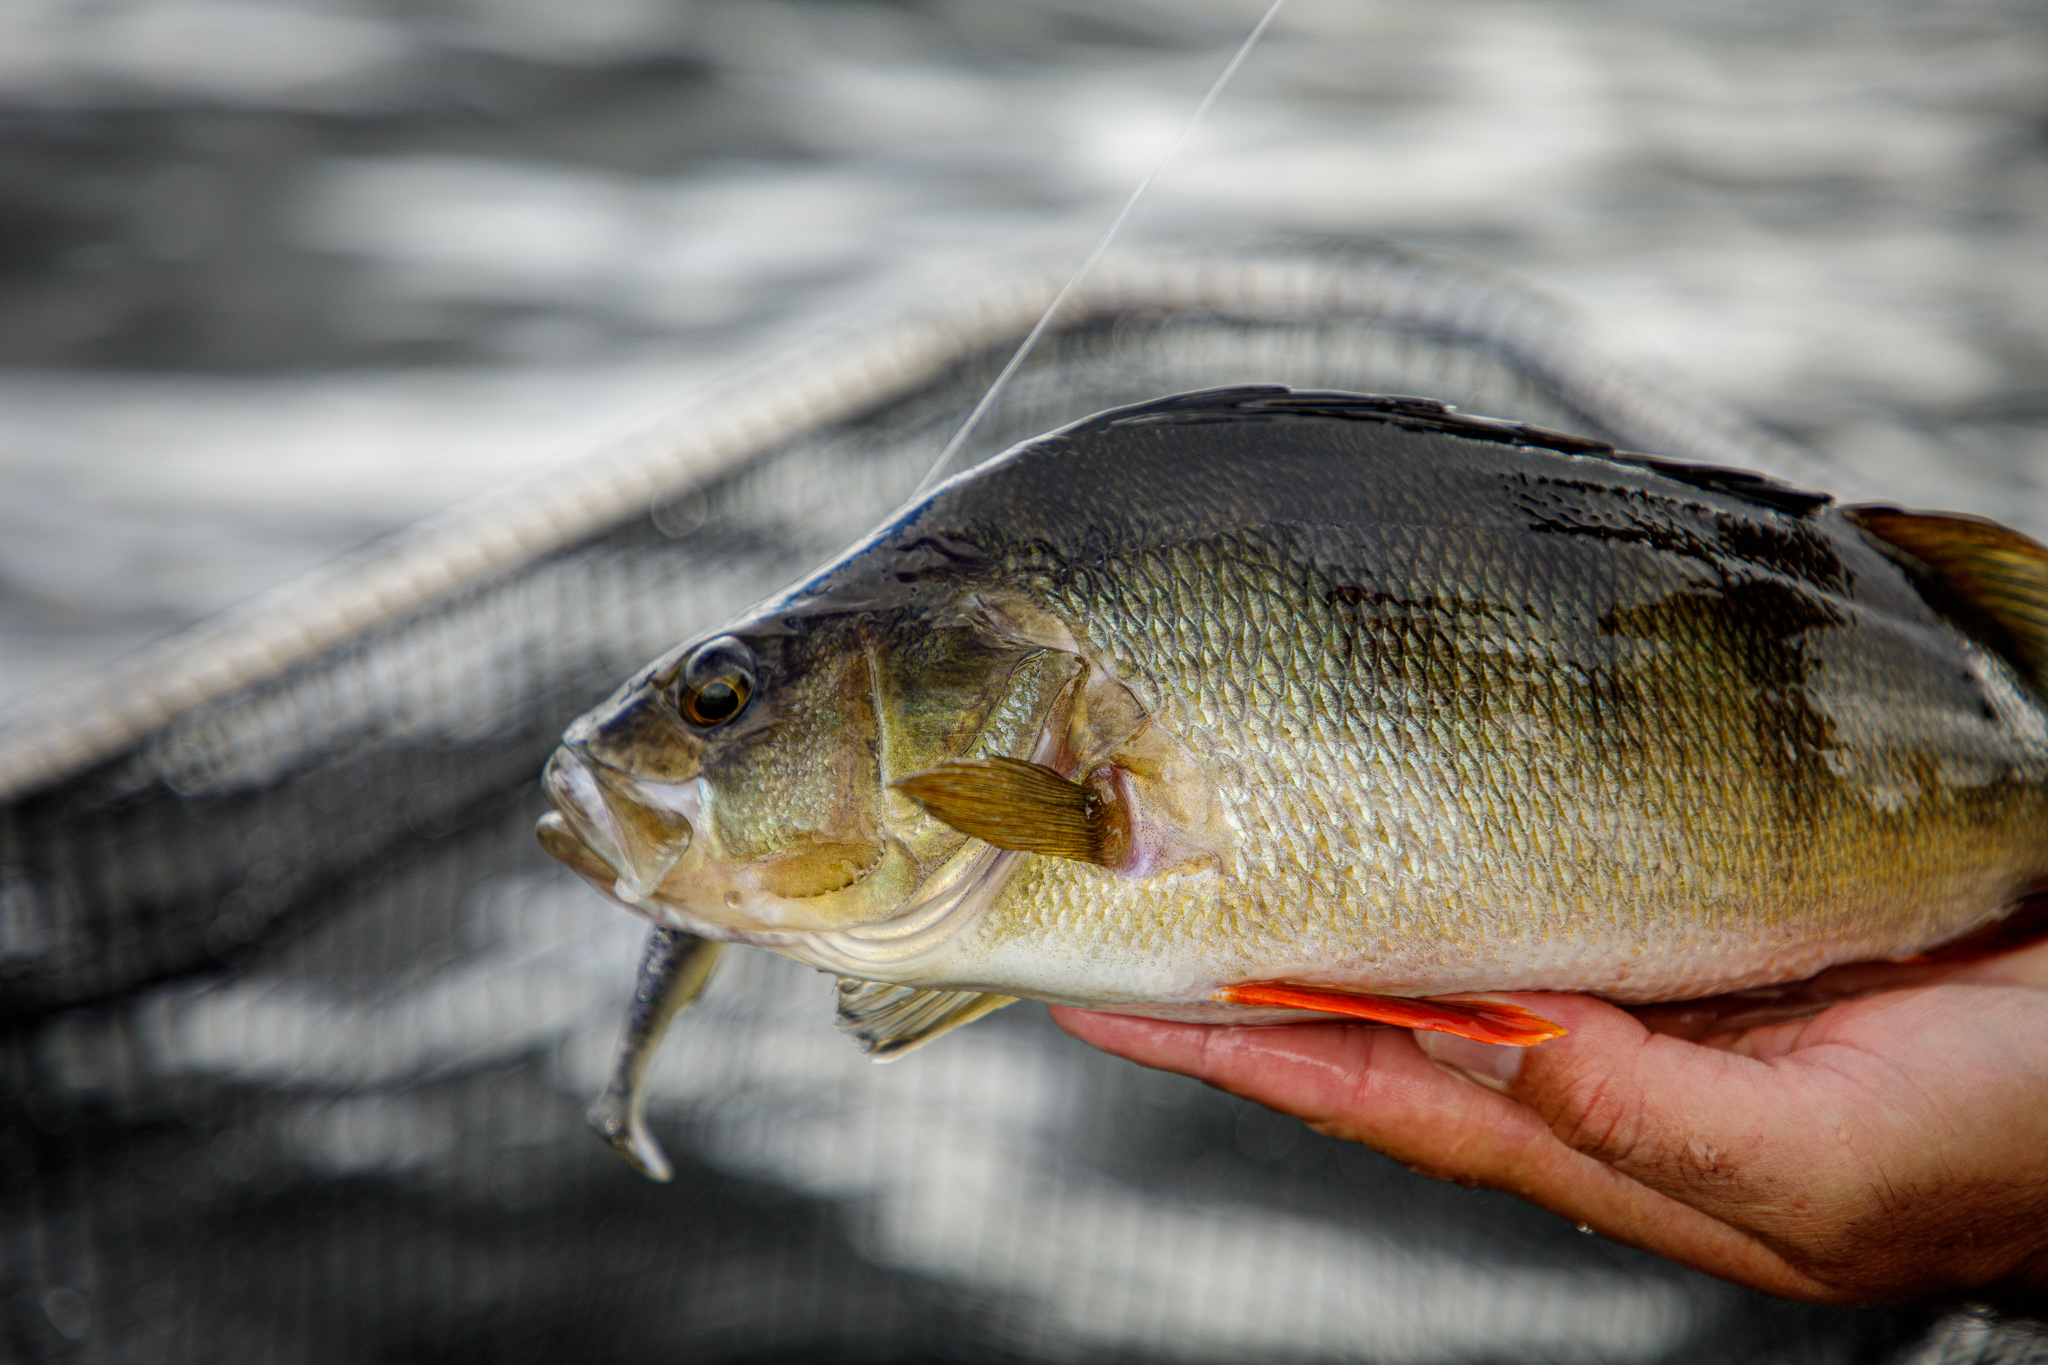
[{"x": 301, "y": 1022}]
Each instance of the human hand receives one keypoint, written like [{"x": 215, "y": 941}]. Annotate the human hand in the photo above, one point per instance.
[{"x": 1884, "y": 1148}]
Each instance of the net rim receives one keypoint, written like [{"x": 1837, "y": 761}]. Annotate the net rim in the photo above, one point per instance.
[{"x": 834, "y": 375}]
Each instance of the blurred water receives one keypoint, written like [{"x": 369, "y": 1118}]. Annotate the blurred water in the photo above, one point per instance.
[
  {"x": 276, "y": 278},
  {"x": 301, "y": 1019}
]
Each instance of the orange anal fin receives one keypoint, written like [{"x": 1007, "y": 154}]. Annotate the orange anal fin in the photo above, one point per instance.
[{"x": 1483, "y": 1021}]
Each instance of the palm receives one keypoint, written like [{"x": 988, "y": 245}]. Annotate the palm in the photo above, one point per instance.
[{"x": 1875, "y": 1149}]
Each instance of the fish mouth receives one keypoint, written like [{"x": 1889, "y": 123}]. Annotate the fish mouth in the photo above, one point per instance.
[
  {"x": 567, "y": 847},
  {"x": 626, "y": 836},
  {"x": 638, "y": 830}
]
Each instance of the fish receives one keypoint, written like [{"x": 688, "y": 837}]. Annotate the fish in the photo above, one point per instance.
[{"x": 1258, "y": 704}]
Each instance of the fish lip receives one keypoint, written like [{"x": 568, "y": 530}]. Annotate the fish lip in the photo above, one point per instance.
[
  {"x": 597, "y": 800},
  {"x": 601, "y": 879},
  {"x": 554, "y": 826},
  {"x": 571, "y": 789}
]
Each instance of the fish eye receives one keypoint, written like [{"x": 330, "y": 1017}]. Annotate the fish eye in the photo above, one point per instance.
[{"x": 716, "y": 683}]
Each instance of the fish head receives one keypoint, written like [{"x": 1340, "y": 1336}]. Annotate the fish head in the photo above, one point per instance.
[{"x": 742, "y": 784}]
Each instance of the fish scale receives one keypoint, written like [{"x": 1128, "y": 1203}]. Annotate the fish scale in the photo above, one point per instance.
[{"x": 1107, "y": 619}]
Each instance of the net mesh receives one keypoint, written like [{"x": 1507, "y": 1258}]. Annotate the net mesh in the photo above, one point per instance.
[{"x": 301, "y": 1022}]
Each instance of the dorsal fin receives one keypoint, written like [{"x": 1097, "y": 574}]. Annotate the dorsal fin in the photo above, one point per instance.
[
  {"x": 1995, "y": 569},
  {"x": 1277, "y": 400},
  {"x": 888, "y": 1021},
  {"x": 1746, "y": 484},
  {"x": 1428, "y": 414}
]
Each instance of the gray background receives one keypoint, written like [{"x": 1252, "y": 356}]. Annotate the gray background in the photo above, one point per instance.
[{"x": 278, "y": 278}]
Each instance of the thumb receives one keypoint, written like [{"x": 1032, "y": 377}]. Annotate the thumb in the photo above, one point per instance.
[
  {"x": 1708, "y": 1155},
  {"x": 1704, "y": 1126}
]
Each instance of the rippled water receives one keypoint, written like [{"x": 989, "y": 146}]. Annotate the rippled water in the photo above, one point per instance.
[{"x": 275, "y": 278}]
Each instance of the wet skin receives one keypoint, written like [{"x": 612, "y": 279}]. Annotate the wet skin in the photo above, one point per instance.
[{"x": 1883, "y": 1149}]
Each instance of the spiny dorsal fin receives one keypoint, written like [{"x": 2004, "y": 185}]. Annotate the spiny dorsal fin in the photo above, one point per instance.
[
  {"x": 1997, "y": 570},
  {"x": 1025, "y": 807},
  {"x": 888, "y": 1021},
  {"x": 1429, "y": 415}
]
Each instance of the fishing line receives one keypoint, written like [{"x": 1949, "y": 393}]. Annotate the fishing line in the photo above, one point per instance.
[{"x": 1109, "y": 235}]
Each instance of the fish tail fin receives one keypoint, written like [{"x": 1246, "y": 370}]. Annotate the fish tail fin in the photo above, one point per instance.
[
  {"x": 1483, "y": 1021},
  {"x": 1997, "y": 571}
]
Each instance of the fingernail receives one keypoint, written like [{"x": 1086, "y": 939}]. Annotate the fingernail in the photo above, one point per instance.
[{"x": 1490, "y": 1064}]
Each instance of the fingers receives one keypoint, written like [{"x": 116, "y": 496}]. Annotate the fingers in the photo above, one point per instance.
[
  {"x": 1888, "y": 1146},
  {"x": 1667, "y": 1114},
  {"x": 1375, "y": 1086},
  {"x": 1769, "y": 1136},
  {"x": 1364, "y": 1083},
  {"x": 1327, "y": 1074}
]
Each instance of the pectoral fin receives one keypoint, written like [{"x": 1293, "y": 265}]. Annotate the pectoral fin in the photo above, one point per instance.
[
  {"x": 1026, "y": 807},
  {"x": 1483, "y": 1021},
  {"x": 888, "y": 1021},
  {"x": 673, "y": 969}
]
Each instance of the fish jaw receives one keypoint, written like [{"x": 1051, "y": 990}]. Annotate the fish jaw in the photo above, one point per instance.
[
  {"x": 913, "y": 946},
  {"x": 637, "y": 828}
]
